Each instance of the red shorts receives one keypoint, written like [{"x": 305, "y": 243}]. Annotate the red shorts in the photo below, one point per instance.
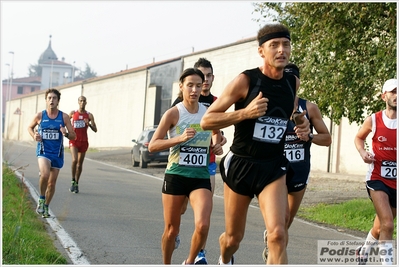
[{"x": 82, "y": 146}]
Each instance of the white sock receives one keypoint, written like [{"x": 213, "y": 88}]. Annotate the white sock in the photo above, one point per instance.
[
  {"x": 370, "y": 241},
  {"x": 386, "y": 252},
  {"x": 221, "y": 262}
]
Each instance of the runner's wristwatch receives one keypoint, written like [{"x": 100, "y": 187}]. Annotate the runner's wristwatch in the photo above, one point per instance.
[{"x": 310, "y": 135}]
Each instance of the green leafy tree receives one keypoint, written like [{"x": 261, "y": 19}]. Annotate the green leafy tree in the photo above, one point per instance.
[
  {"x": 346, "y": 51},
  {"x": 87, "y": 73}
]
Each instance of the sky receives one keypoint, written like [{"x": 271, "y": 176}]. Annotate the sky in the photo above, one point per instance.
[{"x": 112, "y": 36}]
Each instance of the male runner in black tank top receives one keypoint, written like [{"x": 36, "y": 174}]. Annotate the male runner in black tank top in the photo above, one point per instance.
[
  {"x": 256, "y": 166},
  {"x": 298, "y": 153}
]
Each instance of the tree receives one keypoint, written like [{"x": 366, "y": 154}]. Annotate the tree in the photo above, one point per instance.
[
  {"x": 346, "y": 51},
  {"x": 87, "y": 73},
  {"x": 35, "y": 70}
]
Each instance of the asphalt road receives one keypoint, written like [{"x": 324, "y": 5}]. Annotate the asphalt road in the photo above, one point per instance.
[{"x": 117, "y": 216}]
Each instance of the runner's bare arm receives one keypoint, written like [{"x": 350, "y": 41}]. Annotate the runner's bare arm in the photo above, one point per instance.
[{"x": 216, "y": 116}]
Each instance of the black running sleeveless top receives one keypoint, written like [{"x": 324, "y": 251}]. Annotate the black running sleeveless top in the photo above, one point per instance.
[{"x": 263, "y": 138}]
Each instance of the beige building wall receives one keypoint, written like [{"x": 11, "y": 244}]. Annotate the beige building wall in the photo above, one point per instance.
[
  {"x": 124, "y": 103},
  {"x": 149, "y": 111},
  {"x": 348, "y": 159},
  {"x": 117, "y": 104},
  {"x": 320, "y": 155},
  {"x": 18, "y": 123},
  {"x": 69, "y": 99}
]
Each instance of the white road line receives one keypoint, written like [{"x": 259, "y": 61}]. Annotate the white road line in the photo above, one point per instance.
[{"x": 73, "y": 251}]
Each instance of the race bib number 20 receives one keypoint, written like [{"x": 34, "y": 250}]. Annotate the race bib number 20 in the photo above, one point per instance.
[{"x": 388, "y": 169}]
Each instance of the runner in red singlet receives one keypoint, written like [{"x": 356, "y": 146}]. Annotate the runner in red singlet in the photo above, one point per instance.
[
  {"x": 81, "y": 119},
  {"x": 381, "y": 177}
]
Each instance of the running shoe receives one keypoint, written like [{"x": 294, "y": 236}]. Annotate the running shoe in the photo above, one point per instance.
[
  {"x": 177, "y": 241},
  {"x": 73, "y": 187},
  {"x": 265, "y": 252},
  {"x": 76, "y": 188},
  {"x": 361, "y": 259},
  {"x": 40, "y": 206},
  {"x": 45, "y": 213},
  {"x": 200, "y": 259},
  {"x": 231, "y": 262}
]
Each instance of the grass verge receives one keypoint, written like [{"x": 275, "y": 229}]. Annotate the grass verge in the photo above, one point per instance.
[
  {"x": 89, "y": 150},
  {"x": 356, "y": 214},
  {"x": 25, "y": 239}
]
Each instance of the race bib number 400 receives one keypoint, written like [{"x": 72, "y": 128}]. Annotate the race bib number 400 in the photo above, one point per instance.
[
  {"x": 193, "y": 156},
  {"x": 388, "y": 169},
  {"x": 49, "y": 134},
  {"x": 269, "y": 129}
]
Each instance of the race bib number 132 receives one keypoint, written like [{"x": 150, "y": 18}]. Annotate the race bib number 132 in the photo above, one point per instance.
[{"x": 269, "y": 129}]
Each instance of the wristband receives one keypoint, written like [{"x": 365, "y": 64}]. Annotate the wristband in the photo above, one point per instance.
[
  {"x": 310, "y": 135},
  {"x": 66, "y": 135}
]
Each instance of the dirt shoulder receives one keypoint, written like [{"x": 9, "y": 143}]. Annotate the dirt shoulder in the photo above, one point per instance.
[{"x": 333, "y": 188}]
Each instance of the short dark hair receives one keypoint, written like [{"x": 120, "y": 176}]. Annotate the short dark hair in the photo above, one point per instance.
[
  {"x": 191, "y": 71},
  {"x": 53, "y": 90},
  {"x": 270, "y": 29},
  {"x": 203, "y": 62}
]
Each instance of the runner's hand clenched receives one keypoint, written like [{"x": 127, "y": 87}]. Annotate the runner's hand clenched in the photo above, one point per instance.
[{"x": 257, "y": 107}]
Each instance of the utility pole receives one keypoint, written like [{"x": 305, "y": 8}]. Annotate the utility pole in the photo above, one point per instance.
[
  {"x": 51, "y": 75},
  {"x": 9, "y": 94},
  {"x": 73, "y": 71},
  {"x": 8, "y": 82},
  {"x": 5, "y": 99}
]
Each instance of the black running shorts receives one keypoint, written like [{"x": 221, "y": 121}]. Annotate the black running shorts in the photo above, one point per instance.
[
  {"x": 247, "y": 176},
  {"x": 297, "y": 180},
  {"x": 377, "y": 185},
  {"x": 174, "y": 184}
]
